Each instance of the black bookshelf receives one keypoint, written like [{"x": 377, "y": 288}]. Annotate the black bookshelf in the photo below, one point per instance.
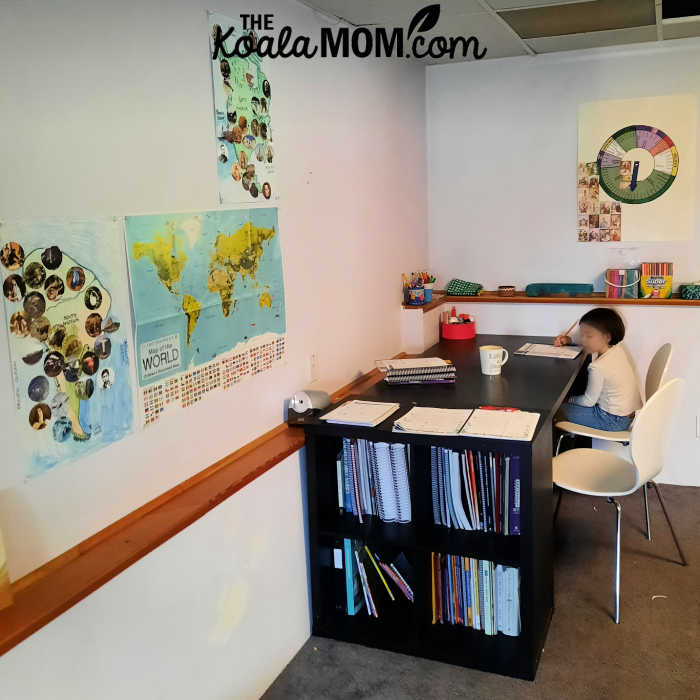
[{"x": 406, "y": 627}]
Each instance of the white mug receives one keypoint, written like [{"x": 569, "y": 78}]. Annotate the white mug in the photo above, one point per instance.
[{"x": 493, "y": 357}]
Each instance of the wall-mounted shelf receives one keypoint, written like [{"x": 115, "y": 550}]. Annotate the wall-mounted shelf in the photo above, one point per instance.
[{"x": 597, "y": 298}]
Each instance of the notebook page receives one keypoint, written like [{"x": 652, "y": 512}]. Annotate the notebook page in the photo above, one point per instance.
[
  {"x": 433, "y": 421},
  {"x": 361, "y": 412},
  {"x": 509, "y": 425}
]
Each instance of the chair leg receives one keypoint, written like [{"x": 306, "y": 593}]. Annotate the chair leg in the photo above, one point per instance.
[
  {"x": 646, "y": 510},
  {"x": 561, "y": 437},
  {"x": 668, "y": 520},
  {"x": 618, "y": 519},
  {"x": 560, "y": 491}
]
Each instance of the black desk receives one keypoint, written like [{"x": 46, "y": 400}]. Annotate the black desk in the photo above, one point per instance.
[{"x": 531, "y": 383}]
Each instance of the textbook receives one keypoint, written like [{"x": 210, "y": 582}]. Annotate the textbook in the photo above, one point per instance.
[
  {"x": 475, "y": 593},
  {"x": 476, "y": 490}
]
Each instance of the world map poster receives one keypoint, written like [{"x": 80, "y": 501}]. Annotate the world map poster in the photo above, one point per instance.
[
  {"x": 66, "y": 301},
  {"x": 208, "y": 297}
]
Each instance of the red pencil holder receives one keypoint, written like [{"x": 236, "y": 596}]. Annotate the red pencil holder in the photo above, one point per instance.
[{"x": 458, "y": 331}]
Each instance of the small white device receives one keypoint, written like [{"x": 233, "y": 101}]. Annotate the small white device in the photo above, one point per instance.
[{"x": 303, "y": 403}]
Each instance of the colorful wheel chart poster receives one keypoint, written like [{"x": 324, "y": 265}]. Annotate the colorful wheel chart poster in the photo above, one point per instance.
[
  {"x": 245, "y": 148},
  {"x": 66, "y": 300},
  {"x": 636, "y": 170}
]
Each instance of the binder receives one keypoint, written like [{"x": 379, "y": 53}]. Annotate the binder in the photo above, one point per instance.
[
  {"x": 514, "y": 495},
  {"x": 353, "y": 586}
]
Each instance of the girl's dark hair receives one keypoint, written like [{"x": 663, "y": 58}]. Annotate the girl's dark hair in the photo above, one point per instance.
[{"x": 606, "y": 321}]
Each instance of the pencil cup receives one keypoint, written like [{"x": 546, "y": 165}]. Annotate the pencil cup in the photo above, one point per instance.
[
  {"x": 416, "y": 296},
  {"x": 428, "y": 287},
  {"x": 493, "y": 357}
]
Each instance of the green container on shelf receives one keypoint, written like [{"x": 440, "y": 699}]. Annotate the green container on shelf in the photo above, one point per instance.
[{"x": 690, "y": 291}]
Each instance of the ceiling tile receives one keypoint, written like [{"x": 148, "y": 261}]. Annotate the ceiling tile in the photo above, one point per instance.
[
  {"x": 503, "y": 5},
  {"x": 498, "y": 40},
  {"x": 578, "y": 18},
  {"x": 573, "y": 42},
  {"x": 681, "y": 29},
  {"x": 372, "y": 12}
]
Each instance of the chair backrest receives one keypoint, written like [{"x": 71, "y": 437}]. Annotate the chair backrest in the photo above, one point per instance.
[
  {"x": 657, "y": 369},
  {"x": 648, "y": 437}
]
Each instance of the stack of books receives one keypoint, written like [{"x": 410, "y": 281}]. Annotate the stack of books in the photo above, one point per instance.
[
  {"x": 475, "y": 593},
  {"x": 369, "y": 580},
  {"x": 419, "y": 370},
  {"x": 373, "y": 480},
  {"x": 422, "y": 375},
  {"x": 476, "y": 490}
]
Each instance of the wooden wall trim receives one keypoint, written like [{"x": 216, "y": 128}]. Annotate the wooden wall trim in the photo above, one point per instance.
[{"x": 43, "y": 594}]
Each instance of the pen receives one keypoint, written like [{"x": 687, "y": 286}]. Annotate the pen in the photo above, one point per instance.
[{"x": 498, "y": 408}]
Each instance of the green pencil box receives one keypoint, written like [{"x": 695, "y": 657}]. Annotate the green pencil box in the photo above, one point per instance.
[{"x": 548, "y": 289}]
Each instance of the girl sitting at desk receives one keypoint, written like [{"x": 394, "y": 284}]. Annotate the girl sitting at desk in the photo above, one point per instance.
[{"x": 612, "y": 394}]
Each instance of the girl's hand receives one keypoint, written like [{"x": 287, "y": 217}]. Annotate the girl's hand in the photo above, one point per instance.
[{"x": 562, "y": 340}]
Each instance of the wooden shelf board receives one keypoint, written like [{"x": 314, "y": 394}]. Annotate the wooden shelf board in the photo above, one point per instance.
[{"x": 598, "y": 298}]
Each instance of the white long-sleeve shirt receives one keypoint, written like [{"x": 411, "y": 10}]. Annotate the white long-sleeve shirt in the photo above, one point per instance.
[{"x": 612, "y": 383}]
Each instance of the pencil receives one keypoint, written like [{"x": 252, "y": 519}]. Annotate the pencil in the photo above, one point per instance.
[
  {"x": 379, "y": 571},
  {"x": 571, "y": 328}
]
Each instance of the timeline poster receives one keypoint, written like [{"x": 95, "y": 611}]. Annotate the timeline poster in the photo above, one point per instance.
[
  {"x": 208, "y": 296},
  {"x": 66, "y": 300},
  {"x": 245, "y": 147},
  {"x": 636, "y": 169}
]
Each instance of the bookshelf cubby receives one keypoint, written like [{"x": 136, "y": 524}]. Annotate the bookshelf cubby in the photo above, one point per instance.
[{"x": 407, "y": 627}]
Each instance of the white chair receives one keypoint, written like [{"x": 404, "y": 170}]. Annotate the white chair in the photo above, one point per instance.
[
  {"x": 655, "y": 374},
  {"x": 600, "y": 473}
]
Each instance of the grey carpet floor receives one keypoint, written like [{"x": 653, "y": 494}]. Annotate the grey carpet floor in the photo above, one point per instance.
[{"x": 653, "y": 653}]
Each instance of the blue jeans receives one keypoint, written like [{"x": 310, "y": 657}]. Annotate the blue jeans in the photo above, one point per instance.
[{"x": 594, "y": 417}]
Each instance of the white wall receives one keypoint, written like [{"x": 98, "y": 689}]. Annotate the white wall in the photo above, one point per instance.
[
  {"x": 215, "y": 612},
  {"x": 107, "y": 109},
  {"x": 502, "y": 144}
]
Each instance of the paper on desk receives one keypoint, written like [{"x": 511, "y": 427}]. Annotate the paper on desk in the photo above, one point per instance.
[
  {"x": 567, "y": 352},
  {"x": 367, "y": 413},
  {"x": 432, "y": 421},
  {"x": 504, "y": 425}
]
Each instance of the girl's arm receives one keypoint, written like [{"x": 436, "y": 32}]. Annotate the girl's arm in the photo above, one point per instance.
[{"x": 593, "y": 389}]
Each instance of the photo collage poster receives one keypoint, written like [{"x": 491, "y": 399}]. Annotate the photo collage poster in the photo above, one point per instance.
[
  {"x": 66, "y": 300},
  {"x": 245, "y": 147}
]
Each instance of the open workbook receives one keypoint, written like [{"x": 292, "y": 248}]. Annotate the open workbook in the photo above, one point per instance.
[
  {"x": 504, "y": 424},
  {"x": 356, "y": 412},
  {"x": 566, "y": 352}
]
